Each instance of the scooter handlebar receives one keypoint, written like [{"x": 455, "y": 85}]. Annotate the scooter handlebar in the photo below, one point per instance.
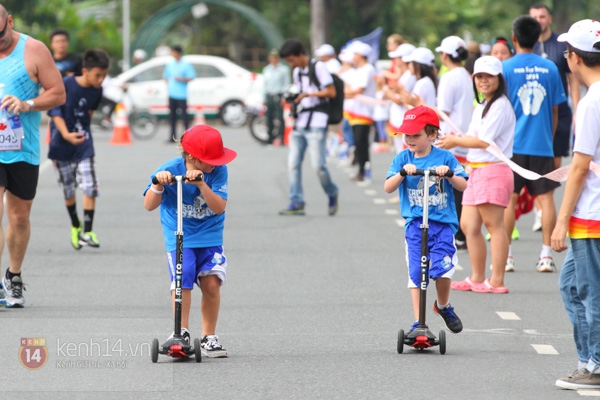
[
  {"x": 432, "y": 172},
  {"x": 184, "y": 178}
]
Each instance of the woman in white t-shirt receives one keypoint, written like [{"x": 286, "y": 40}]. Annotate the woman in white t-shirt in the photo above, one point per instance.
[
  {"x": 406, "y": 84},
  {"x": 491, "y": 181},
  {"x": 420, "y": 64}
]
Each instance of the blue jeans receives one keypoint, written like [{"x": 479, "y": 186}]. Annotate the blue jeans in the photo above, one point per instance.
[
  {"x": 580, "y": 291},
  {"x": 314, "y": 140},
  {"x": 347, "y": 132}
]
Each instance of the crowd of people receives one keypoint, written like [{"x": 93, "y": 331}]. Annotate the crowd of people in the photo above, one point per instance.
[{"x": 494, "y": 113}]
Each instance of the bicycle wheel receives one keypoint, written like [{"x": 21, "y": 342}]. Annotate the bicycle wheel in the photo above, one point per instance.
[
  {"x": 258, "y": 129},
  {"x": 143, "y": 124}
]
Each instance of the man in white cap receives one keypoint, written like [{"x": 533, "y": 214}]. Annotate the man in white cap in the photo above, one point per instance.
[
  {"x": 139, "y": 56},
  {"x": 326, "y": 53},
  {"x": 579, "y": 214}
]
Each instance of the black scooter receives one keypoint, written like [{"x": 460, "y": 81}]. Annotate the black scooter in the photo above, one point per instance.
[
  {"x": 421, "y": 337},
  {"x": 176, "y": 346}
]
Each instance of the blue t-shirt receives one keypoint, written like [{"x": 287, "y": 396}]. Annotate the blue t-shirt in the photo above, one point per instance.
[
  {"x": 76, "y": 113},
  {"x": 201, "y": 226},
  {"x": 534, "y": 87},
  {"x": 441, "y": 193},
  {"x": 177, "y": 89}
]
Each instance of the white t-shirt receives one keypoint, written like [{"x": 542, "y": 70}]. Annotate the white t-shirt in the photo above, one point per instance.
[
  {"x": 497, "y": 126},
  {"x": 425, "y": 88},
  {"x": 585, "y": 219},
  {"x": 333, "y": 65},
  {"x": 346, "y": 76},
  {"x": 381, "y": 112},
  {"x": 455, "y": 98},
  {"x": 363, "y": 79},
  {"x": 302, "y": 81},
  {"x": 407, "y": 80}
]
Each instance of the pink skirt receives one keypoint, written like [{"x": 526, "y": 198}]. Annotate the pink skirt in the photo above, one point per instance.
[{"x": 493, "y": 184}]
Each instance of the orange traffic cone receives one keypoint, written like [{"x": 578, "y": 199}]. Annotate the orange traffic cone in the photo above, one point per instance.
[
  {"x": 199, "y": 116},
  {"x": 121, "y": 134},
  {"x": 289, "y": 124}
]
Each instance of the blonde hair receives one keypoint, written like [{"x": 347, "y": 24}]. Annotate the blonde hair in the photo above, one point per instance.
[{"x": 397, "y": 38}]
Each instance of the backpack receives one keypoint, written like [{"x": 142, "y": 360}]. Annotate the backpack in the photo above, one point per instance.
[{"x": 334, "y": 108}]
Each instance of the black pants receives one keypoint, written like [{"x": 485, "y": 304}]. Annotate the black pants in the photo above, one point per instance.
[
  {"x": 361, "y": 141},
  {"x": 181, "y": 105},
  {"x": 274, "y": 112},
  {"x": 458, "y": 195}
]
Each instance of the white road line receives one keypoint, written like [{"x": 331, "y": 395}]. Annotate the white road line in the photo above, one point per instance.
[
  {"x": 531, "y": 331},
  {"x": 379, "y": 201},
  {"x": 392, "y": 212},
  {"x": 588, "y": 392},
  {"x": 544, "y": 349},
  {"x": 401, "y": 222},
  {"x": 370, "y": 192},
  {"x": 458, "y": 267},
  {"x": 508, "y": 315},
  {"x": 45, "y": 164}
]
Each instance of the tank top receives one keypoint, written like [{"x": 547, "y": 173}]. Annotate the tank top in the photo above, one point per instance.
[{"x": 18, "y": 83}]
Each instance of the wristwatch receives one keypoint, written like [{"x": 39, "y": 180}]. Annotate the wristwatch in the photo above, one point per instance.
[{"x": 31, "y": 104}]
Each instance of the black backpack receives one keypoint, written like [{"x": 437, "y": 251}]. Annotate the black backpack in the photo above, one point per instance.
[{"x": 334, "y": 108}]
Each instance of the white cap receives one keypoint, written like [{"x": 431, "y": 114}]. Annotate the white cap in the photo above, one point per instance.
[
  {"x": 140, "y": 54},
  {"x": 422, "y": 55},
  {"x": 450, "y": 45},
  {"x": 583, "y": 35},
  {"x": 487, "y": 65},
  {"x": 360, "y": 48},
  {"x": 403, "y": 50},
  {"x": 325, "y": 50},
  {"x": 346, "y": 56}
]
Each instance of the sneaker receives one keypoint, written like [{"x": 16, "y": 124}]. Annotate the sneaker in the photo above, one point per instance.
[
  {"x": 358, "y": 178},
  {"x": 212, "y": 348},
  {"x": 510, "y": 264},
  {"x": 185, "y": 334},
  {"x": 581, "y": 379},
  {"x": 460, "y": 244},
  {"x": 13, "y": 292},
  {"x": 450, "y": 318},
  {"x": 2, "y": 299},
  {"x": 333, "y": 205},
  {"x": 488, "y": 236},
  {"x": 75, "y": 232},
  {"x": 89, "y": 239},
  {"x": 515, "y": 234},
  {"x": 545, "y": 264},
  {"x": 537, "y": 223},
  {"x": 293, "y": 209},
  {"x": 414, "y": 326}
]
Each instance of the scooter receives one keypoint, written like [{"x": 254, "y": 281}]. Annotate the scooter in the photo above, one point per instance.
[
  {"x": 177, "y": 346},
  {"x": 421, "y": 337}
]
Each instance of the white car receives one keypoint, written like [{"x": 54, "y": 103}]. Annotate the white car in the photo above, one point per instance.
[{"x": 220, "y": 88}]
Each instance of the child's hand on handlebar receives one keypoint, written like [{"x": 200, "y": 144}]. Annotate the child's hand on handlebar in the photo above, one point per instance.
[
  {"x": 194, "y": 176},
  {"x": 410, "y": 169},
  {"x": 164, "y": 178},
  {"x": 442, "y": 170}
]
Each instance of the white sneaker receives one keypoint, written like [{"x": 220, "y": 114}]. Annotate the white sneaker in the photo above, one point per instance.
[
  {"x": 545, "y": 264},
  {"x": 537, "y": 224},
  {"x": 510, "y": 265},
  {"x": 212, "y": 348},
  {"x": 13, "y": 292}
]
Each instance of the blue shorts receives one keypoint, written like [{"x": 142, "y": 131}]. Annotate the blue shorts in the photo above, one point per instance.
[
  {"x": 198, "y": 263},
  {"x": 442, "y": 251}
]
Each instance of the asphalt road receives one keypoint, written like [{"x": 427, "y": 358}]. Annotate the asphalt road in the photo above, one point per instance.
[{"x": 311, "y": 308}]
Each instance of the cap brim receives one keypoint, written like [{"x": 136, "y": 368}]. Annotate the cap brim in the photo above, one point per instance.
[
  {"x": 227, "y": 157},
  {"x": 439, "y": 49},
  {"x": 563, "y": 37}
]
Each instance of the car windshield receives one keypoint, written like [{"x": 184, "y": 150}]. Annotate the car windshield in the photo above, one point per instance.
[{"x": 152, "y": 74}]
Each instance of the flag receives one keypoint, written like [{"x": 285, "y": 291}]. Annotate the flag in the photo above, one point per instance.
[{"x": 372, "y": 39}]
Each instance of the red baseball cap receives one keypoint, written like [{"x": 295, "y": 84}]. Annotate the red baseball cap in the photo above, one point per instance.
[
  {"x": 205, "y": 143},
  {"x": 416, "y": 118}
]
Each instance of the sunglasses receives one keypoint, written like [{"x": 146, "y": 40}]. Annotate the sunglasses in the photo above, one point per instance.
[
  {"x": 3, "y": 31},
  {"x": 566, "y": 54}
]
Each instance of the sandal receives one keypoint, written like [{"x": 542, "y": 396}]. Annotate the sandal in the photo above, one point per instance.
[
  {"x": 465, "y": 285},
  {"x": 487, "y": 287}
]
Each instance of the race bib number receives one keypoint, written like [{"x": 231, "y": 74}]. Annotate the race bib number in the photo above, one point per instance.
[{"x": 9, "y": 139}]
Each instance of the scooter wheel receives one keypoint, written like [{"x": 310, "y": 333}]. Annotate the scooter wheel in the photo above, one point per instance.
[
  {"x": 400, "y": 346},
  {"x": 154, "y": 350},
  {"x": 442, "y": 341},
  {"x": 197, "y": 350}
]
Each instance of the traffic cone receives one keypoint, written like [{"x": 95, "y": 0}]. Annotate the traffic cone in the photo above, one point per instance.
[
  {"x": 199, "y": 116},
  {"x": 121, "y": 134},
  {"x": 288, "y": 124}
]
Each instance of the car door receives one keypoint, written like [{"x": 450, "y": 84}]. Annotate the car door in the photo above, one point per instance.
[
  {"x": 210, "y": 88},
  {"x": 148, "y": 90}
]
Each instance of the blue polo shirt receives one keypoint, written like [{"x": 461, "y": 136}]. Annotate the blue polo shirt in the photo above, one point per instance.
[{"x": 177, "y": 89}]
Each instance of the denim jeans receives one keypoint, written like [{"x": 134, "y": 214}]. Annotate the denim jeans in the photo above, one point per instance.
[
  {"x": 347, "y": 132},
  {"x": 314, "y": 140},
  {"x": 580, "y": 291}
]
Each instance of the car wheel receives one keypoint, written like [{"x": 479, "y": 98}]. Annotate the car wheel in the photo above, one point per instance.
[{"x": 233, "y": 114}]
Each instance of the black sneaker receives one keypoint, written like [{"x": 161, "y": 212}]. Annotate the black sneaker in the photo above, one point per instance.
[
  {"x": 450, "y": 318},
  {"x": 293, "y": 209},
  {"x": 13, "y": 292},
  {"x": 333, "y": 205},
  {"x": 212, "y": 348}
]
